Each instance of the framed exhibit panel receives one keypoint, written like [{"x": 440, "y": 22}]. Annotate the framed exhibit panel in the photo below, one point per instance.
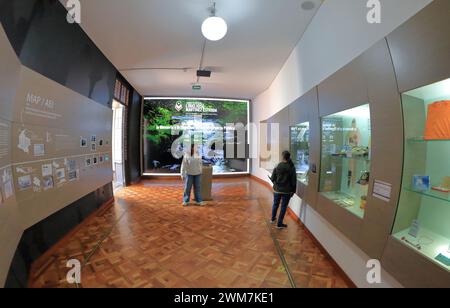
[
  {"x": 418, "y": 253},
  {"x": 361, "y": 149},
  {"x": 10, "y": 228},
  {"x": 218, "y": 126},
  {"x": 304, "y": 144}
]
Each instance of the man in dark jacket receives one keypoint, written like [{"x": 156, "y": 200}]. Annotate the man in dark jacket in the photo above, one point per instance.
[{"x": 284, "y": 179}]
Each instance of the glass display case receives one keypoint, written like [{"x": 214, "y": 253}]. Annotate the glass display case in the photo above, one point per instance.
[
  {"x": 345, "y": 167},
  {"x": 300, "y": 144},
  {"x": 423, "y": 216}
]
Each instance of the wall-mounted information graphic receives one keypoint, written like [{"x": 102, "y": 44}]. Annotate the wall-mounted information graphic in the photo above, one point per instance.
[
  {"x": 205, "y": 121},
  {"x": 5, "y": 132}
]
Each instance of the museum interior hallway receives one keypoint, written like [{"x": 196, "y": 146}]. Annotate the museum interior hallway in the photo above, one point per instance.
[{"x": 147, "y": 239}]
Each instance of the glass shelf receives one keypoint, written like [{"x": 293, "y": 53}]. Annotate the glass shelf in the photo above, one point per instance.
[
  {"x": 303, "y": 178},
  {"x": 345, "y": 201},
  {"x": 426, "y": 163},
  {"x": 345, "y": 158},
  {"x": 432, "y": 194},
  {"x": 421, "y": 140},
  {"x": 430, "y": 243},
  {"x": 363, "y": 158}
]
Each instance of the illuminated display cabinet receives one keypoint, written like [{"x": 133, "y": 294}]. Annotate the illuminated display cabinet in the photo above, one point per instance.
[
  {"x": 300, "y": 145},
  {"x": 423, "y": 217},
  {"x": 345, "y": 166}
]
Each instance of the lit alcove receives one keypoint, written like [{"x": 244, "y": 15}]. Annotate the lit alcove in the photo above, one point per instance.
[
  {"x": 345, "y": 167},
  {"x": 423, "y": 217}
]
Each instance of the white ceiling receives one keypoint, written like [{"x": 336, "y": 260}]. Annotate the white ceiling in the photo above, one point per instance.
[{"x": 140, "y": 34}]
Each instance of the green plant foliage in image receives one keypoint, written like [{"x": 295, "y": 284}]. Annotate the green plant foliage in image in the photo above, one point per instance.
[
  {"x": 233, "y": 112},
  {"x": 156, "y": 118}
]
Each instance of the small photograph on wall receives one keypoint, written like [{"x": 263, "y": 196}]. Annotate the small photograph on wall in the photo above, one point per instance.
[
  {"x": 95, "y": 160},
  {"x": 60, "y": 174},
  {"x": 47, "y": 183},
  {"x": 47, "y": 170},
  {"x": 71, "y": 165},
  {"x": 83, "y": 142},
  {"x": 37, "y": 185},
  {"x": 24, "y": 170},
  {"x": 24, "y": 182},
  {"x": 88, "y": 161},
  {"x": 101, "y": 159},
  {"x": 100, "y": 143},
  {"x": 72, "y": 175},
  {"x": 8, "y": 189},
  {"x": 7, "y": 183},
  {"x": 93, "y": 147},
  {"x": 93, "y": 138},
  {"x": 39, "y": 150}
]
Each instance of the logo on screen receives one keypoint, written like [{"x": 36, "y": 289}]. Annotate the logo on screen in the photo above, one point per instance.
[{"x": 178, "y": 106}]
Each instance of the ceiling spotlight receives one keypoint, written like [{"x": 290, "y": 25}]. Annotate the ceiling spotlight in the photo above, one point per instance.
[{"x": 214, "y": 28}]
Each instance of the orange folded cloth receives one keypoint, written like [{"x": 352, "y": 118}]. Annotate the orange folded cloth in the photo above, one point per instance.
[{"x": 438, "y": 121}]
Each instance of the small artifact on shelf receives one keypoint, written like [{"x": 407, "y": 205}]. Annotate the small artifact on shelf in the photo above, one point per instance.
[
  {"x": 438, "y": 121},
  {"x": 414, "y": 229},
  {"x": 421, "y": 183},
  {"x": 350, "y": 152},
  {"x": 443, "y": 259},
  {"x": 363, "y": 204},
  {"x": 411, "y": 243},
  {"x": 444, "y": 187},
  {"x": 364, "y": 178},
  {"x": 360, "y": 151}
]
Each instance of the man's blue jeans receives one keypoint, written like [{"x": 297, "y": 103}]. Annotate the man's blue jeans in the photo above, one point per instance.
[
  {"x": 284, "y": 198},
  {"x": 196, "y": 181}
]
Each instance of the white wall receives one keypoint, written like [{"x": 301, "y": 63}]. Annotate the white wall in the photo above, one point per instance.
[{"x": 338, "y": 34}]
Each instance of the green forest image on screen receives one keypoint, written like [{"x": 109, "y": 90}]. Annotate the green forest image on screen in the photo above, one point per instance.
[{"x": 200, "y": 120}]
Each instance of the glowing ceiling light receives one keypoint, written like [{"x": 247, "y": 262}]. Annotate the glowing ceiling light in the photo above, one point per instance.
[{"x": 214, "y": 28}]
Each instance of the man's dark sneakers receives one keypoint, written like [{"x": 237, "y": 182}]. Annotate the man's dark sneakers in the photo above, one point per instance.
[{"x": 282, "y": 226}]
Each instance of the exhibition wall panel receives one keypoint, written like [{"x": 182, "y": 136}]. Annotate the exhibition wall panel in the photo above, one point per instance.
[
  {"x": 306, "y": 110},
  {"x": 386, "y": 149},
  {"x": 55, "y": 99},
  {"x": 277, "y": 137},
  {"x": 420, "y": 52},
  {"x": 344, "y": 90},
  {"x": 369, "y": 79},
  {"x": 61, "y": 146},
  {"x": 10, "y": 231}
]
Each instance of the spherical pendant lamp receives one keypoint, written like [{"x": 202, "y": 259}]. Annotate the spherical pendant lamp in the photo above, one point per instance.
[{"x": 214, "y": 28}]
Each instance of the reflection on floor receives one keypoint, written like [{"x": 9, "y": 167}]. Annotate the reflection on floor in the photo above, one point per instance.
[{"x": 147, "y": 239}]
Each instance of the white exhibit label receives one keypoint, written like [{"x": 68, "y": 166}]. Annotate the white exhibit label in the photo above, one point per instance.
[{"x": 382, "y": 190}]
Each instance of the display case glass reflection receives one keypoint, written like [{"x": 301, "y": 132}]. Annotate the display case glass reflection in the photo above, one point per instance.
[
  {"x": 423, "y": 216},
  {"x": 300, "y": 144},
  {"x": 345, "y": 167}
]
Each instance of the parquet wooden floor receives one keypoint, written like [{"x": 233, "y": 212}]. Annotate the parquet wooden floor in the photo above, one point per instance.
[{"x": 147, "y": 239}]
